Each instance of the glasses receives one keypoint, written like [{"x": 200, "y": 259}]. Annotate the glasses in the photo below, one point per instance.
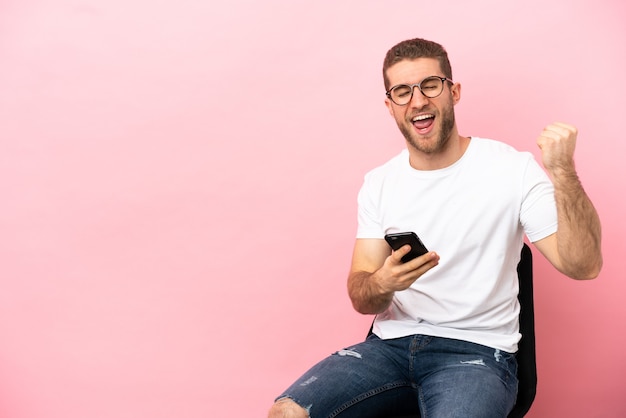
[{"x": 430, "y": 87}]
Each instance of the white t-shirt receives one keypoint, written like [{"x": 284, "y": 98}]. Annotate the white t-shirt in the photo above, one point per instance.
[{"x": 474, "y": 214}]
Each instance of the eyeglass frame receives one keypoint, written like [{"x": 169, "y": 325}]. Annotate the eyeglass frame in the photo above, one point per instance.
[{"x": 419, "y": 86}]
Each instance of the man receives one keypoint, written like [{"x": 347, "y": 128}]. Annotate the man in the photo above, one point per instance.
[{"x": 447, "y": 327}]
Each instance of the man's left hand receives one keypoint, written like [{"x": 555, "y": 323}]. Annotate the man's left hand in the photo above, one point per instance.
[{"x": 557, "y": 143}]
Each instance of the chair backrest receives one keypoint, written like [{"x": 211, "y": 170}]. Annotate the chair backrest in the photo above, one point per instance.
[{"x": 526, "y": 354}]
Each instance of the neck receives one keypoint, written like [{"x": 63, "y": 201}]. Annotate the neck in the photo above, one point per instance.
[{"x": 452, "y": 151}]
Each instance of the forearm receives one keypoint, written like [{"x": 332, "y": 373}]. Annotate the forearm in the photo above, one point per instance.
[
  {"x": 579, "y": 230},
  {"x": 366, "y": 295}
]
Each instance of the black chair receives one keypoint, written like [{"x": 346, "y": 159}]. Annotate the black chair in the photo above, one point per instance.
[{"x": 526, "y": 355}]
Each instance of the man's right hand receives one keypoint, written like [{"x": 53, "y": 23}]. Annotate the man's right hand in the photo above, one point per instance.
[
  {"x": 396, "y": 275},
  {"x": 377, "y": 273}
]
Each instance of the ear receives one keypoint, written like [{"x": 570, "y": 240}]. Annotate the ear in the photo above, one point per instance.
[
  {"x": 389, "y": 106},
  {"x": 456, "y": 93}
]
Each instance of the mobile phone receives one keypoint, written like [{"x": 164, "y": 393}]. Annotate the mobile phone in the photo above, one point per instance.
[{"x": 396, "y": 241}]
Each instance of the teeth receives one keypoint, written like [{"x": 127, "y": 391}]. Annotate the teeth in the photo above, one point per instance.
[{"x": 422, "y": 117}]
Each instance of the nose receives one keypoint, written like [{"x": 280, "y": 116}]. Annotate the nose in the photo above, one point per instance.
[{"x": 418, "y": 99}]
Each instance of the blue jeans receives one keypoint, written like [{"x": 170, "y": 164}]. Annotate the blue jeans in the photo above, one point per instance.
[{"x": 439, "y": 377}]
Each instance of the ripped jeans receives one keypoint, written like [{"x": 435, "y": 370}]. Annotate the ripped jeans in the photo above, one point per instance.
[{"x": 439, "y": 377}]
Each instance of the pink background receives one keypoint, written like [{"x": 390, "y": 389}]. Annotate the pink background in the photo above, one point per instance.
[{"x": 179, "y": 178}]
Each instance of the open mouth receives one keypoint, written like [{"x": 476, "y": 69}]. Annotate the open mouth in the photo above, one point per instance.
[{"x": 423, "y": 122}]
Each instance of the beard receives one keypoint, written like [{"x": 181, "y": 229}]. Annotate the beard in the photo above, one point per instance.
[{"x": 446, "y": 125}]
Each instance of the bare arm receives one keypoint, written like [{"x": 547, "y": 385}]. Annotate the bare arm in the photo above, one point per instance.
[
  {"x": 377, "y": 273},
  {"x": 575, "y": 249}
]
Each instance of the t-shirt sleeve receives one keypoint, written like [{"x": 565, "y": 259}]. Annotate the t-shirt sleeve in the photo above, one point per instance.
[
  {"x": 369, "y": 223},
  {"x": 538, "y": 212}
]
